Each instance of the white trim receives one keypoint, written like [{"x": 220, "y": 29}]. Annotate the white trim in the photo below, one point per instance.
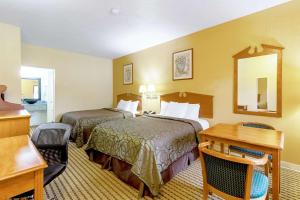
[{"x": 290, "y": 166}]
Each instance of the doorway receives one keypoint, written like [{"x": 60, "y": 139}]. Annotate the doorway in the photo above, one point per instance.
[{"x": 37, "y": 85}]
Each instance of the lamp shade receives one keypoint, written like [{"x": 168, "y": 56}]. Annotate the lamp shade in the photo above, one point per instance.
[
  {"x": 151, "y": 88},
  {"x": 142, "y": 89}
]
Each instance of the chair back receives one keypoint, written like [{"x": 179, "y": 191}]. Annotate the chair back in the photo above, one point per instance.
[
  {"x": 228, "y": 176},
  {"x": 257, "y": 125},
  {"x": 52, "y": 142}
]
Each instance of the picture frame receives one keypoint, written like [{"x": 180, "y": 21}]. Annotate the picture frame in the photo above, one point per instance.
[
  {"x": 128, "y": 74},
  {"x": 182, "y": 62}
]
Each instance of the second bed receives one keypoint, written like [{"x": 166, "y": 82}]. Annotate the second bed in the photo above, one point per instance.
[{"x": 83, "y": 122}]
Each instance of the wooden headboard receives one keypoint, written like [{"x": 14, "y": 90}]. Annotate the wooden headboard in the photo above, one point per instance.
[
  {"x": 205, "y": 101},
  {"x": 132, "y": 97}
]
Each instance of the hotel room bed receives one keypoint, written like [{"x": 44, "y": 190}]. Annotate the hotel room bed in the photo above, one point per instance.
[
  {"x": 149, "y": 144},
  {"x": 146, "y": 151},
  {"x": 83, "y": 122}
]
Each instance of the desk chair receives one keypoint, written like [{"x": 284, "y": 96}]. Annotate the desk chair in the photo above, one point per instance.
[
  {"x": 51, "y": 140},
  {"x": 232, "y": 177},
  {"x": 249, "y": 152}
]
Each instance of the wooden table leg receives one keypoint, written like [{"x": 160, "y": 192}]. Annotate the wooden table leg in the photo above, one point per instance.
[
  {"x": 39, "y": 185},
  {"x": 222, "y": 147},
  {"x": 275, "y": 174},
  {"x": 279, "y": 172}
]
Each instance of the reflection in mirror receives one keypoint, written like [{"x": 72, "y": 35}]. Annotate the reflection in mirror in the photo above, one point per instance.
[
  {"x": 31, "y": 89},
  {"x": 262, "y": 93},
  {"x": 257, "y": 83}
]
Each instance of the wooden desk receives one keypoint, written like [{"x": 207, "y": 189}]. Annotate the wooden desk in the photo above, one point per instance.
[
  {"x": 21, "y": 167},
  {"x": 14, "y": 122},
  {"x": 268, "y": 141}
]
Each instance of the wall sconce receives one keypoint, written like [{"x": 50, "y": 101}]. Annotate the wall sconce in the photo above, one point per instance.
[
  {"x": 149, "y": 91},
  {"x": 142, "y": 89},
  {"x": 151, "y": 88}
]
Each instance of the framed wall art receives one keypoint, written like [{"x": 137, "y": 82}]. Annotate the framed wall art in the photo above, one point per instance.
[
  {"x": 128, "y": 74},
  {"x": 183, "y": 65}
]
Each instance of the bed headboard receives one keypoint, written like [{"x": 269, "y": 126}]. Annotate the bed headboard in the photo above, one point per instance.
[
  {"x": 132, "y": 97},
  {"x": 205, "y": 101}
]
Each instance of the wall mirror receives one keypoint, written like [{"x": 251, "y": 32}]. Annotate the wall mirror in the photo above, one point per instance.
[
  {"x": 257, "y": 81},
  {"x": 31, "y": 89}
]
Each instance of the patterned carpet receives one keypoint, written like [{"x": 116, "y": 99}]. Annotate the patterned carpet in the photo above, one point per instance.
[{"x": 85, "y": 180}]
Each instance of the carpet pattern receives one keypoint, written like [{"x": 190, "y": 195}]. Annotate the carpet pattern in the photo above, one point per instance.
[{"x": 85, "y": 180}]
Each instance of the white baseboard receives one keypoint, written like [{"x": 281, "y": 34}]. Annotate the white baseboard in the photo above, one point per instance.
[{"x": 291, "y": 166}]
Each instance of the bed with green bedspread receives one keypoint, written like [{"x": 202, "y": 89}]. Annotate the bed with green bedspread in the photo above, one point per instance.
[
  {"x": 149, "y": 143},
  {"x": 84, "y": 121}
]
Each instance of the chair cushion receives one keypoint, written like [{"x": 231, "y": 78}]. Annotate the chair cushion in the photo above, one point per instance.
[
  {"x": 249, "y": 151},
  {"x": 52, "y": 171},
  {"x": 255, "y": 125},
  {"x": 260, "y": 184}
]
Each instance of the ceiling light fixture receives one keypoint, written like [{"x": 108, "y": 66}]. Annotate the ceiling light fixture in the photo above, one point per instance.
[{"x": 115, "y": 11}]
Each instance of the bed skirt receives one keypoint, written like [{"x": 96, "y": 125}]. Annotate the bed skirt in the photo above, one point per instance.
[
  {"x": 123, "y": 170},
  {"x": 86, "y": 135}
]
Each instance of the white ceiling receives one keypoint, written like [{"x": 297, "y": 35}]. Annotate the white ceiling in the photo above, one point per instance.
[{"x": 87, "y": 26}]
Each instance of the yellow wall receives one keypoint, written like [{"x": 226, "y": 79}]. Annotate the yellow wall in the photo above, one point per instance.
[
  {"x": 81, "y": 81},
  {"x": 10, "y": 61},
  {"x": 213, "y": 67}
]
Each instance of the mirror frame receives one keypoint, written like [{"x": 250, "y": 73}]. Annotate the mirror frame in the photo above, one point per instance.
[{"x": 266, "y": 50}]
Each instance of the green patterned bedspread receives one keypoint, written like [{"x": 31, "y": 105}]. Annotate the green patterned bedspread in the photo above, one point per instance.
[
  {"x": 149, "y": 143},
  {"x": 87, "y": 119}
]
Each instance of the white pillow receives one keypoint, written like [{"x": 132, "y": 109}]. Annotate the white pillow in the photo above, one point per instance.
[
  {"x": 124, "y": 105},
  {"x": 163, "y": 107},
  {"x": 204, "y": 123},
  {"x": 133, "y": 105},
  {"x": 192, "y": 112},
  {"x": 175, "y": 109}
]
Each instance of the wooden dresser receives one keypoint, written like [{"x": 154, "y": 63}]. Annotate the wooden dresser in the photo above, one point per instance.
[{"x": 14, "y": 123}]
